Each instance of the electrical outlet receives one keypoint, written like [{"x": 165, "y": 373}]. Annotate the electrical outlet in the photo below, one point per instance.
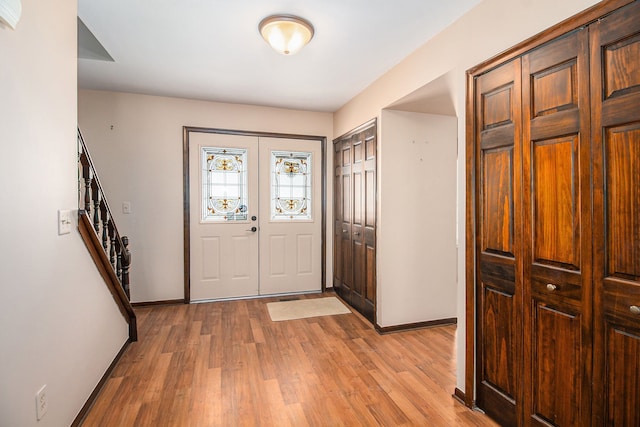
[{"x": 42, "y": 402}]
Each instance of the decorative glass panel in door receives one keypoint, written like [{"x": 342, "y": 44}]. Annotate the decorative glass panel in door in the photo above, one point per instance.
[
  {"x": 224, "y": 180},
  {"x": 291, "y": 186}
]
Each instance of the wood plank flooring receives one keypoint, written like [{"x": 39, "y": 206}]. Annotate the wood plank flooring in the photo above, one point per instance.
[{"x": 227, "y": 364}]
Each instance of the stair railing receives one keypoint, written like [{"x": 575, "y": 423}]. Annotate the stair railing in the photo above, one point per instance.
[{"x": 97, "y": 226}]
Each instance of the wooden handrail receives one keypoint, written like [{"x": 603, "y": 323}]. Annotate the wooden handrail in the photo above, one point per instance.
[
  {"x": 98, "y": 229},
  {"x": 107, "y": 272}
]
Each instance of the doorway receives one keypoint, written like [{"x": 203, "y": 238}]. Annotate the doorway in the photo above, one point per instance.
[{"x": 254, "y": 214}]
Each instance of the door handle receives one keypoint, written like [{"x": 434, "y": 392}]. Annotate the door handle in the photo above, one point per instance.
[
  {"x": 356, "y": 233},
  {"x": 253, "y": 229}
]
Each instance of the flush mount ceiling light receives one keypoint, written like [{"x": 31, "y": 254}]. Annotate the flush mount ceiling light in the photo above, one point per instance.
[{"x": 287, "y": 34}]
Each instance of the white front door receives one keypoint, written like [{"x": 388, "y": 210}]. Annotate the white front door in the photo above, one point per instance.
[
  {"x": 255, "y": 216},
  {"x": 290, "y": 216},
  {"x": 223, "y": 171}
]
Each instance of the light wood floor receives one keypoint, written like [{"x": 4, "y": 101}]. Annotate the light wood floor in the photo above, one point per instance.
[{"x": 228, "y": 364}]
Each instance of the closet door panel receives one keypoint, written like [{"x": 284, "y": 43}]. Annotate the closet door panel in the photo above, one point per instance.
[
  {"x": 370, "y": 267},
  {"x": 499, "y": 369},
  {"x": 358, "y": 277},
  {"x": 369, "y": 223},
  {"x": 337, "y": 216},
  {"x": 554, "y": 272},
  {"x": 498, "y": 284},
  {"x": 497, "y": 166},
  {"x": 618, "y": 279},
  {"x": 557, "y": 249},
  {"x": 355, "y": 204},
  {"x": 556, "y": 232},
  {"x": 556, "y": 366},
  {"x": 346, "y": 213},
  {"x": 622, "y": 162},
  {"x": 498, "y": 274},
  {"x": 622, "y": 377},
  {"x": 615, "y": 55},
  {"x": 357, "y": 225},
  {"x": 555, "y": 286}
]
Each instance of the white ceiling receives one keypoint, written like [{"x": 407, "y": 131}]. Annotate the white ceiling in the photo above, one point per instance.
[{"x": 212, "y": 50}]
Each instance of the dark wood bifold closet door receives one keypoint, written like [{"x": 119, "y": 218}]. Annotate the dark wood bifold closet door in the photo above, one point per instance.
[
  {"x": 555, "y": 222},
  {"x": 615, "y": 64},
  {"x": 557, "y": 232},
  {"x": 499, "y": 292},
  {"x": 355, "y": 219},
  {"x": 342, "y": 202}
]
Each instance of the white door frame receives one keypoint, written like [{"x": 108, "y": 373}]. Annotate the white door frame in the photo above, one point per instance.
[{"x": 187, "y": 130}]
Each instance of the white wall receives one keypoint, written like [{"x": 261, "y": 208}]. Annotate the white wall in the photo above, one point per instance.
[
  {"x": 416, "y": 239},
  {"x": 490, "y": 28},
  {"x": 59, "y": 324},
  {"x": 136, "y": 145}
]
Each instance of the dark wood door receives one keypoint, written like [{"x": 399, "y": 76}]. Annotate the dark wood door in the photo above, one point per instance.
[
  {"x": 499, "y": 269},
  {"x": 355, "y": 219},
  {"x": 555, "y": 209},
  {"x": 557, "y": 233},
  {"x": 343, "y": 201},
  {"x": 615, "y": 65}
]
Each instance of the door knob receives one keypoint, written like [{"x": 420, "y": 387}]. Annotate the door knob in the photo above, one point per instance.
[
  {"x": 551, "y": 287},
  {"x": 634, "y": 309},
  {"x": 253, "y": 229},
  {"x": 356, "y": 233}
]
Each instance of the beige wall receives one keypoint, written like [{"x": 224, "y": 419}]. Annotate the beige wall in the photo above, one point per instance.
[
  {"x": 416, "y": 241},
  {"x": 136, "y": 144},
  {"x": 59, "y": 325},
  {"x": 490, "y": 28}
]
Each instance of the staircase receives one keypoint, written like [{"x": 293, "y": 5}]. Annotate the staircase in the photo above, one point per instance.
[{"x": 98, "y": 229}]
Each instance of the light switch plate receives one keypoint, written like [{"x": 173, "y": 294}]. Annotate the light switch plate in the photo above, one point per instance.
[
  {"x": 64, "y": 222},
  {"x": 126, "y": 207},
  {"x": 42, "y": 402}
]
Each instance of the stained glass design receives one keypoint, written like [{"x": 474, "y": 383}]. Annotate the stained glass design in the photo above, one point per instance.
[
  {"x": 290, "y": 185},
  {"x": 224, "y": 184}
]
